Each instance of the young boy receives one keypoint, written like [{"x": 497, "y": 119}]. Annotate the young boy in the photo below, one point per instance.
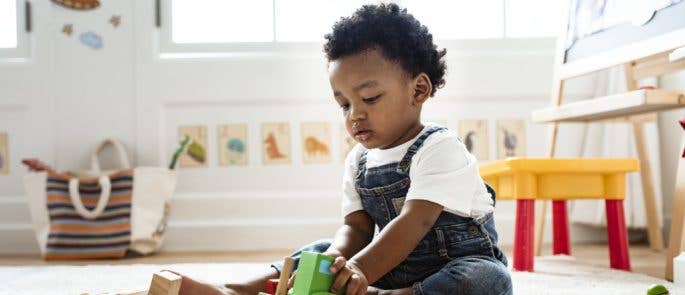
[{"x": 418, "y": 184}]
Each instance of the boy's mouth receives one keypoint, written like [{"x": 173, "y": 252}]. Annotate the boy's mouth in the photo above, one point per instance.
[{"x": 362, "y": 135}]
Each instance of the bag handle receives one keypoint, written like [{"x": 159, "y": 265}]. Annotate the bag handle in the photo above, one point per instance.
[
  {"x": 121, "y": 151},
  {"x": 105, "y": 192}
]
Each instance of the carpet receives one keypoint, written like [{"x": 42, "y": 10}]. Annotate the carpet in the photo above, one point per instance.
[{"x": 553, "y": 275}]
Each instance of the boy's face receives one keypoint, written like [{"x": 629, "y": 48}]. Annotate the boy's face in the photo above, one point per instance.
[{"x": 378, "y": 99}]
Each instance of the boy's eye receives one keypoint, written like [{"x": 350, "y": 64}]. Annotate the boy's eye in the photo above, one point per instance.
[
  {"x": 344, "y": 107},
  {"x": 371, "y": 99}
]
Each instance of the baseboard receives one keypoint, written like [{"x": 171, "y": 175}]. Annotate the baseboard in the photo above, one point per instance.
[{"x": 249, "y": 221}]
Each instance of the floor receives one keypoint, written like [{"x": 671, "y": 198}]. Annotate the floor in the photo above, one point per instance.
[{"x": 643, "y": 260}]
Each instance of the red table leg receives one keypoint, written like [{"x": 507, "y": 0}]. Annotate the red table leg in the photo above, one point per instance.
[
  {"x": 617, "y": 235},
  {"x": 524, "y": 234},
  {"x": 561, "y": 243}
]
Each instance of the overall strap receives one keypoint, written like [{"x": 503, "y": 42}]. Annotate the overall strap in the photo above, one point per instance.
[
  {"x": 403, "y": 166},
  {"x": 361, "y": 165}
]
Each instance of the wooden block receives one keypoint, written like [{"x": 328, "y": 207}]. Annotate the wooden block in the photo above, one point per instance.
[
  {"x": 288, "y": 264},
  {"x": 165, "y": 283}
]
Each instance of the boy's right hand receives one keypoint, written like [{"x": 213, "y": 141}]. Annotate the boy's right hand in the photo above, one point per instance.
[
  {"x": 291, "y": 281},
  {"x": 350, "y": 275}
]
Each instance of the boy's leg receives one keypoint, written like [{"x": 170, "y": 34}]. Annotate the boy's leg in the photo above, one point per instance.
[
  {"x": 319, "y": 246},
  {"x": 468, "y": 275},
  {"x": 254, "y": 285},
  {"x": 251, "y": 286}
]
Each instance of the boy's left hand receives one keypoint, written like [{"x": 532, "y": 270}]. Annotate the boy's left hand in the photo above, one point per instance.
[{"x": 348, "y": 273}]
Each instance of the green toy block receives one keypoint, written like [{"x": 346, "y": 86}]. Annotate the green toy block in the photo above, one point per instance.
[
  {"x": 313, "y": 275},
  {"x": 657, "y": 289}
]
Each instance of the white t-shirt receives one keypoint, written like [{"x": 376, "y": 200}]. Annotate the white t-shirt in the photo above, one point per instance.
[{"x": 442, "y": 171}]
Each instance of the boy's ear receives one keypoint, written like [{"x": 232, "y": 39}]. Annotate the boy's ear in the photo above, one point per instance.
[{"x": 422, "y": 88}]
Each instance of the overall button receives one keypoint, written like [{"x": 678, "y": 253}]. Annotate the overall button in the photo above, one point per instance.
[{"x": 473, "y": 230}]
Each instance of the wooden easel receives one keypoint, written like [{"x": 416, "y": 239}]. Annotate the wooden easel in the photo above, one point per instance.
[
  {"x": 643, "y": 59},
  {"x": 677, "y": 235}
]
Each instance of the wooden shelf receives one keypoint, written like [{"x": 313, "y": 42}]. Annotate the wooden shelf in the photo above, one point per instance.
[
  {"x": 614, "y": 106},
  {"x": 677, "y": 55}
]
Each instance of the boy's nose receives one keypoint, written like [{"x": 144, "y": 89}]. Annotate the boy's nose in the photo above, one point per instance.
[{"x": 357, "y": 113}]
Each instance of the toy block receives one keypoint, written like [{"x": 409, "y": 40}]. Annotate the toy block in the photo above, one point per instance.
[
  {"x": 270, "y": 286},
  {"x": 165, "y": 283},
  {"x": 313, "y": 275},
  {"x": 282, "y": 287}
]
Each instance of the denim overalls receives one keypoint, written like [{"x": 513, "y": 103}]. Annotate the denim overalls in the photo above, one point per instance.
[{"x": 458, "y": 255}]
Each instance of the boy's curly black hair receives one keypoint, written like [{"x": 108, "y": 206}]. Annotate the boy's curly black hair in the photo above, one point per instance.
[{"x": 397, "y": 33}]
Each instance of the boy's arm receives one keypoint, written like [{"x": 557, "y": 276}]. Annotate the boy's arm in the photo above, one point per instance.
[
  {"x": 354, "y": 235},
  {"x": 401, "y": 235}
]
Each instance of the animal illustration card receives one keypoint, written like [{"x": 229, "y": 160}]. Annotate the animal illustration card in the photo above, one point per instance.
[
  {"x": 232, "y": 144},
  {"x": 511, "y": 138},
  {"x": 276, "y": 143},
  {"x": 196, "y": 152},
  {"x": 4, "y": 154},
  {"x": 474, "y": 134},
  {"x": 316, "y": 142},
  {"x": 347, "y": 142}
]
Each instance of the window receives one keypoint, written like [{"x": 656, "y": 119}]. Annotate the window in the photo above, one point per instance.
[
  {"x": 449, "y": 19},
  {"x": 220, "y": 21},
  {"x": 310, "y": 20},
  {"x": 228, "y": 25},
  {"x": 8, "y": 24},
  {"x": 532, "y": 18},
  {"x": 13, "y": 37}
]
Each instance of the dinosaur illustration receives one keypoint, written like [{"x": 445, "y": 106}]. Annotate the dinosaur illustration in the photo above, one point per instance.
[
  {"x": 470, "y": 141},
  {"x": 236, "y": 148},
  {"x": 272, "y": 147},
  {"x": 509, "y": 143},
  {"x": 315, "y": 147}
]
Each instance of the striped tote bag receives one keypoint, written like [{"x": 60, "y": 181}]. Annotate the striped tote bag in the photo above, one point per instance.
[
  {"x": 89, "y": 218},
  {"x": 100, "y": 216}
]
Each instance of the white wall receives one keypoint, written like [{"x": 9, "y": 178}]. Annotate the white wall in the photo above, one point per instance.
[{"x": 67, "y": 97}]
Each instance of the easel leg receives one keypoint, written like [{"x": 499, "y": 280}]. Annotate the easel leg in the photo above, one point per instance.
[
  {"x": 541, "y": 210},
  {"x": 676, "y": 237},
  {"x": 656, "y": 240}
]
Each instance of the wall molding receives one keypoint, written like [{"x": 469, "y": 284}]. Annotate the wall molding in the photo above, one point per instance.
[{"x": 249, "y": 220}]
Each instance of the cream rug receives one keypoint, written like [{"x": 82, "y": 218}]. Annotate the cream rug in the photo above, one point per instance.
[{"x": 554, "y": 275}]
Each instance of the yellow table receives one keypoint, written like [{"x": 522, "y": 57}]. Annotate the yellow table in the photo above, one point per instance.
[{"x": 528, "y": 179}]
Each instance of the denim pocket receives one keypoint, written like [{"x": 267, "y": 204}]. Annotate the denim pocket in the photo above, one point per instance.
[
  {"x": 376, "y": 208},
  {"x": 463, "y": 240},
  {"x": 397, "y": 204}
]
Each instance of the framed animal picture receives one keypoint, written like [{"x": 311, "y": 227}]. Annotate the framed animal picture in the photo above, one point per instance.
[
  {"x": 275, "y": 143},
  {"x": 4, "y": 154},
  {"x": 474, "y": 134},
  {"x": 346, "y": 142},
  {"x": 511, "y": 138},
  {"x": 196, "y": 152},
  {"x": 316, "y": 142},
  {"x": 232, "y": 144}
]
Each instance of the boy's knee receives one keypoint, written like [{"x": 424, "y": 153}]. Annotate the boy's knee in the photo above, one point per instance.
[
  {"x": 319, "y": 246},
  {"x": 479, "y": 276}
]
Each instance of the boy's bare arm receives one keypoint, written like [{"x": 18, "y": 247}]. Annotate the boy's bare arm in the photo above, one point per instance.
[
  {"x": 397, "y": 239},
  {"x": 354, "y": 235}
]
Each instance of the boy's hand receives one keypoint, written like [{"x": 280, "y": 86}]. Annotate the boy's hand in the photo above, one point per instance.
[
  {"x": 348, "y": 273},
  {"x": 291, "y": 280}
]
